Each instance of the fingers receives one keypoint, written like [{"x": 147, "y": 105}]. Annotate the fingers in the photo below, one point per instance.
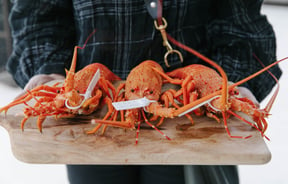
[{"x": 42, "y": 79}]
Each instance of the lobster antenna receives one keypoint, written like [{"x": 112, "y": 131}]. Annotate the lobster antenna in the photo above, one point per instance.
[
  {"x": 73, "y": 65},
  {"x": 257, "y": 73},
  {"x": 70, "y": 73},
  {"x": 87, "y": 39},
  {"x": 251, "y": 124},
  {"x": 146, "y": 121},
  {"x": 273, "y": 98}
]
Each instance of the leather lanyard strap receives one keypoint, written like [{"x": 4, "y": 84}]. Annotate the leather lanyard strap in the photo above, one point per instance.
[{"x": 154, "y": 8}]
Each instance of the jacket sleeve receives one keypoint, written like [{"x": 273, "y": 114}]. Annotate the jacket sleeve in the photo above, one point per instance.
[
  {"x": 43, "y": 38},
  {"x": 238, "y": 35}
]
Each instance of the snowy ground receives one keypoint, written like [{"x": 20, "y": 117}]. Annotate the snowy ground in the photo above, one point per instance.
[{"x": 16, "y": 172}]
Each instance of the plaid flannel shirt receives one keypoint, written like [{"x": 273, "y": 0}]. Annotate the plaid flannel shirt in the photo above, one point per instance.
[{"x": 227, "y": 31}]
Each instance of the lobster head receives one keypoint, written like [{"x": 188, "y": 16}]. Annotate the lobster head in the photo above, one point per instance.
[{"x": 143, "y": 81}]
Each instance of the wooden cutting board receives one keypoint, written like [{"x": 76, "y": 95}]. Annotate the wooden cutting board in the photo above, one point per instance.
[{"x": 64, "y": 141}]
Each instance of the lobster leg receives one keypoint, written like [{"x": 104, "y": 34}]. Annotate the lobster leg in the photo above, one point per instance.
[
  {"x": 127, "y": 125},
  {"x": 111, "y": 110},
  {"x": 120, "y": 124},
  {"x": 185, "y": 89},
  {"x": 227, "y": 129},
  {"x": 118, "y": 91},
  {"x": 168, "y": 97},
  {"x": 105, "y": 85},
  {"x": 117, "y": 96},
  {"x": 23, "y": 122},
  {"x": 40, "y": 121},
  {"x": 147, "y": 122},
  {"x": 108, "y": 114},
  {"x": 92, "y": 103},
  {"x": 131, "y": 116},
  {"x": 50, "y": 89},
  {"x": 246, "y": 106},
  {"x": 27, "y": 98}
]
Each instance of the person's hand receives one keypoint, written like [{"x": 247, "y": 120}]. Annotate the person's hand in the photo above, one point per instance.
[
  {"x": 245, "y": 92},
  {"x": 42, "y": 79},
  {"x": 39, "y": 80}
]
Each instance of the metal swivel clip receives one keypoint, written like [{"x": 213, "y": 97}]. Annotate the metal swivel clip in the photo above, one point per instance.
[{"x": 170, "y": 50}]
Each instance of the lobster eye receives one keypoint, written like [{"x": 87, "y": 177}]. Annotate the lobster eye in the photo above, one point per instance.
[
  {"x": 58, "y": 91},
  {"x": 132, "y": 90},
  {"x": 150, "y": 92}
]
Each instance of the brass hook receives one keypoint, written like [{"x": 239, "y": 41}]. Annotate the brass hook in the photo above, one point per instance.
[{"x": 166, "y": 43}]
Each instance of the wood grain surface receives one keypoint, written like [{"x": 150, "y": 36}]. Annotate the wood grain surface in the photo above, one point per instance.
[{"x": 64, "y": 141}]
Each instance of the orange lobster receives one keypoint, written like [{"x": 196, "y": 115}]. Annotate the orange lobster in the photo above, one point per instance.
[
  {"x": 143, "y": 81},
  {"x": 199, "y": 81},
  {"x": 67, "y": 100},
  {"x": 221, "y": 97}
]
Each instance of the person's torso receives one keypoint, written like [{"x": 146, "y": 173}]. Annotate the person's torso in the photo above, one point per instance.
[{"x": 125, "y": 33}]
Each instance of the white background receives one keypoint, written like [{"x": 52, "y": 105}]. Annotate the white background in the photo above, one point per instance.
[
  {"x": 13, "y": 171},
  {"x": 274, "y": 171}
]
